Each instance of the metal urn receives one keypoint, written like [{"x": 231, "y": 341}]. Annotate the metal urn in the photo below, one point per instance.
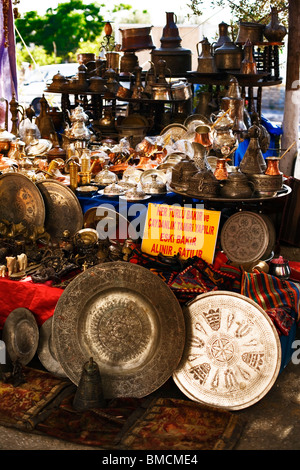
[
  {"x": 89, "y": 393},
  {"x": 178, "y": 59}
]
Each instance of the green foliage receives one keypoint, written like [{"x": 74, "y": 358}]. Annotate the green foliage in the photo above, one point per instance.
[
  {"x": 61, "y": 29},
  {"x": 38, "y": 53},
  {"x": 245, "y": 10}
]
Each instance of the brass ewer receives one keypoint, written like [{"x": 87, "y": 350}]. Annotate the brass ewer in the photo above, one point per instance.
[
  {"x": 206, "y": 61},
  {"x": 89, "y": 393}
]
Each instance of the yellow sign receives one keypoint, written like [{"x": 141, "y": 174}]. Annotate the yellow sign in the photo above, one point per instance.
[{"x": 171, "y": 230}]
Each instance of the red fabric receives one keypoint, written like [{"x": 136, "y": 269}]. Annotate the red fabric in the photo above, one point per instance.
[
  {"x": 295, "y": 270},
  {"x": 40, "y": 299}
]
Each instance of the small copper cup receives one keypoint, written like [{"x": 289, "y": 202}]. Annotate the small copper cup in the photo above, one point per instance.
[{"x": 202, "y": 135}]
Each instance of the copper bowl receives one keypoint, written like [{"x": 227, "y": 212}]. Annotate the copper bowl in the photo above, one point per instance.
[
  {"x": 134, "y": 39},
  {"x": 85, "y": 58}
]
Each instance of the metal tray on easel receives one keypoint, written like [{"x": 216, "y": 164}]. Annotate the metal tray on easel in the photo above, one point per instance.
[
  {"x": 128, "y": 320},
  {"x": 232, "y": 355}
]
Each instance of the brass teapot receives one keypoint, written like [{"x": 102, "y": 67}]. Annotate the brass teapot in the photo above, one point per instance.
[{"x": 237, "y": 185}]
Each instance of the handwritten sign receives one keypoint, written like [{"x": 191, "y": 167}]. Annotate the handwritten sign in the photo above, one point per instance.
[{"x": 188, "y": 232}]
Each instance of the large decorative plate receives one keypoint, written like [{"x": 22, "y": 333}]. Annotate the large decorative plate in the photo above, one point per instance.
[
  {"x": 244, "y": 237},
  {"x": 45, "y": 350},
  {"x": 128, "y": 320},
  {"x": 232, "y": 354},
  {"x": 63, "y": 210},
  {"x": 20, "y": 200},
  {"x": 113, "y": 227},
  {"x": 173, "y": 132},
  {"x": 195, "y": 120},
  {"x": 21, "y": 335}
]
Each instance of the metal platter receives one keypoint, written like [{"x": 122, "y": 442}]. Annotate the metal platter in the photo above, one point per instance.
[
  {"x": 45, "y": 350},
  {"x": 232, "y": 355},
  {"x": 128, "y": 320},
  {"x": 21, "y": 335},
  {"x": 116, "y": 225},
  {"x": 195, "y": 120},
  {"x": 63, "y": 210},
  {"x": 173, "y": 132},
  {"x": 245, "y": 237},
  {"x": 285, "y": 191},
  {"x": 20, "y": 200}
]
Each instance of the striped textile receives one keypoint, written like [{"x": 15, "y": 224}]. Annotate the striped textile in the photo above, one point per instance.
[{"x": 271, "y": 292}]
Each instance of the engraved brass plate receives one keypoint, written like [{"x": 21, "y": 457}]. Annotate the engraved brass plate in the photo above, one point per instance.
[
  {"x": 63, "y": 210},
  {"x": 245, "y": 237},
  {"x": 20, "y": 200},
  {"x": 21, "y": 335},
  {"x": 232, "y": 354},
  {"x": 128, "y": 320}
]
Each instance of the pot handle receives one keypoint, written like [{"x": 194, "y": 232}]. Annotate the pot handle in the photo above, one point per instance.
[{"x": 170, "y": 73}]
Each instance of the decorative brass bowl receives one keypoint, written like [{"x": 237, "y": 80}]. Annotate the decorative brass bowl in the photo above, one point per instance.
[{"x": 266, "y": 185}]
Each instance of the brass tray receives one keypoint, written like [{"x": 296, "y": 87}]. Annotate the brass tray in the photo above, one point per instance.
[
  {"x": 128, "y": 320},
  {"x": 20, "y": 200},
  {"x": 173, "y": 132},
  {"x": 113, "y": 219},
  {"x": 195, "y": 120},
  {"x": 285, "y": 191},
  {"x": 232, "y": 355},
  {"x": 45, "y": 350},
  {"x": 21, "y": 335},
  {"x": 63, "y": 210},
  {"x": 245, "y": 237}
]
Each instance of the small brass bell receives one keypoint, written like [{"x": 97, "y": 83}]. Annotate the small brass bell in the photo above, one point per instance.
[{"x": 89, "y": 393}]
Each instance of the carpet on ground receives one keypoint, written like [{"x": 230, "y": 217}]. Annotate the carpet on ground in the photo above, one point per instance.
[{"x": 43, "y": 404}]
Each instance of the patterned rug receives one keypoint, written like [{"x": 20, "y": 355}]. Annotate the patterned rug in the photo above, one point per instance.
[
  {"x": 24, "y": 405},
  {"x": 43, "y": 405},
  {"x": 173, "y": 424}
]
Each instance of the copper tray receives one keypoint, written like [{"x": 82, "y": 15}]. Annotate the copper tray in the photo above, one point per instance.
[
  {"x": 45, "y": 350},
  {"x": 20, "y": 200},
  {"x": 63, "y": 210},
  {"x": 128, "y": 320},
  {"x": 232, "y": 355},
  {"x": 245, "y": 237},
  {"x": 21, "y": 335}
]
